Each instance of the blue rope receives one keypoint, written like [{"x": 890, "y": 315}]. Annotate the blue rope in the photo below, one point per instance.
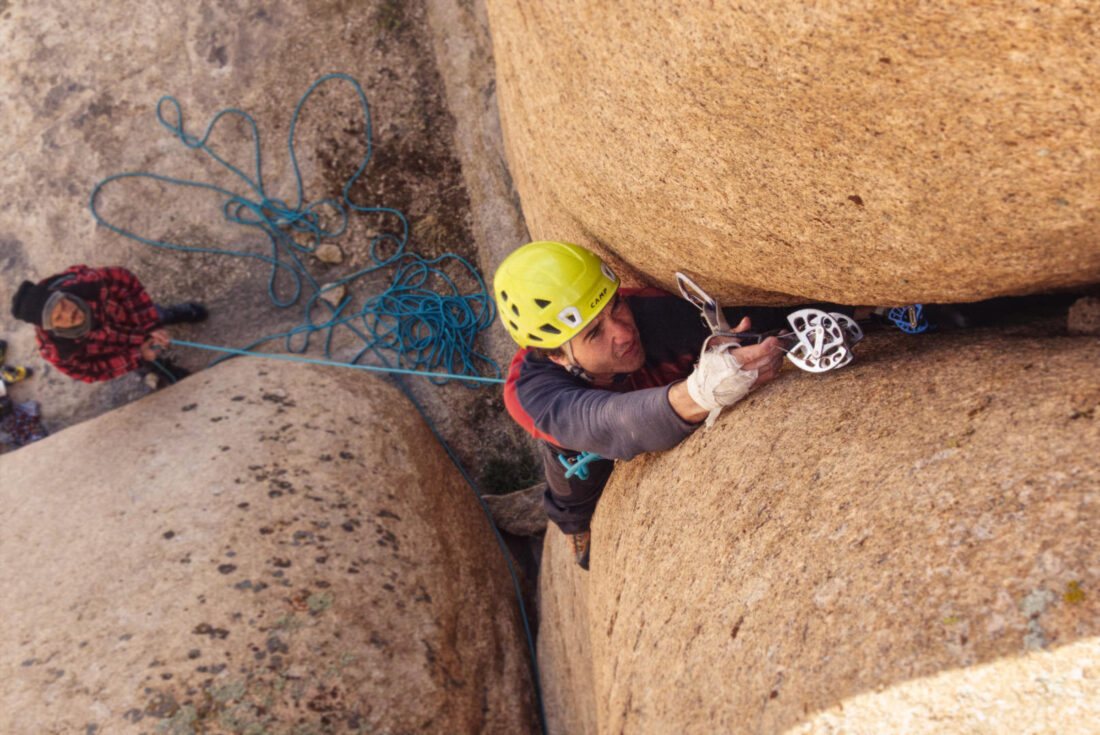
[
  {"x": 423, "y": 317},
  {"x": 313, "y": 361},
  {"x": 578, "y": 465}
]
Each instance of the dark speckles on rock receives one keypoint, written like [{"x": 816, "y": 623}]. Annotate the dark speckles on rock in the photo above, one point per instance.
[
  {"x": 244, "y": 584},
  {"x": 29, "y": 662},
  {"x": 321, "y": 559},
  {"x": 325, "y": 458},
  {"x": 227, "y": 568},
  {"x": 281, "y": 400},
  {"x": 207, "y": 629},
  {"x": 162, "y": 705},
  {"x": 275, "y": 645},
  {"x": 265, "y": 531},
  {"x": 346, "y": 455},
  {"x": 194, "y": 653},
  {"x": 350, "y": 525},
  {"x": 235, "y": 399},
  {"x": 387, "y": 514},
  {"x": 169, "y": 534},
  {"x": 281, "y": 563},
  {"x": 126, "y": 636},
  {"x": 91, "y": 729},
  {"x": 190, "y": 407}
]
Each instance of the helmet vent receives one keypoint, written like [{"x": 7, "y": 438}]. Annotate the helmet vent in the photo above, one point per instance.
[
  {"x": 542, "y": 303},
  {"x": 570, "y": 316},
  {"x": 503, "y": 295},
  {"x": 515, "y": 310},
  {"x": 550, "y": 329},
  {"x": 534, "y": 337},
  {"x": 513, "y": 326}
]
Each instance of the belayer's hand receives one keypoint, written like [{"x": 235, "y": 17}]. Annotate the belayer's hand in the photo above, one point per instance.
[{"x": 158, "y": 338}]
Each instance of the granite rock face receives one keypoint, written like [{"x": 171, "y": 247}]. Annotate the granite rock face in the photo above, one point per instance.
[
  {"x": 787, "y": 151},
  {"x": 260, "y": 548},
  {"x": 914, "y": 533}
]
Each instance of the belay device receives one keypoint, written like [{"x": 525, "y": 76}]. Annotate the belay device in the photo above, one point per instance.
[{"x": 818, "y": 341}]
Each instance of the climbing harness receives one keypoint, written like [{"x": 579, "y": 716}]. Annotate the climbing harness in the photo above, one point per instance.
[
  {"x": 817, "y": 342},
  {"x": 578, "y": 465}
]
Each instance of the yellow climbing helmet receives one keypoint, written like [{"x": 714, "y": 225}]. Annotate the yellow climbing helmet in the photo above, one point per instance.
[{"x": 548, "y": 291}]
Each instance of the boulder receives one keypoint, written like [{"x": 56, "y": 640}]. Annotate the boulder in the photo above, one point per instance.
[
  {"x": 519, "y": 513},
  {"x": 790, "y": 151},
  {"x": 916, "y": 532},
  {"x": 260, "y": 548}
]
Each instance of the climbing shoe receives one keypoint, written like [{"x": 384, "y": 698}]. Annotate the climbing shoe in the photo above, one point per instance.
[
  {"x": 14, "y": 373},
  {"x": 581, "y": 543},
  {"x": 184, "y": 314}
]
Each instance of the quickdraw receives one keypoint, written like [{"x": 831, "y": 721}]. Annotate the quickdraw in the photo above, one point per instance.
[{"x": 817, "y": 342}]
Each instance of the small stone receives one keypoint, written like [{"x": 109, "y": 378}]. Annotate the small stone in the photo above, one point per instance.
[
  {"x": 329, "y": 253},
  {"x": 1084, "y": 316},
  {"x": 333, "y": 294}
]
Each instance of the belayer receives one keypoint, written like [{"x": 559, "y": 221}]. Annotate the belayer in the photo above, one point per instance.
[{"x": 95, "y": 324}]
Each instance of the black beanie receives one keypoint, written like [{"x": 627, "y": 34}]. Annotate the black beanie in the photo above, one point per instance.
[{"x": 28, "y": 303}]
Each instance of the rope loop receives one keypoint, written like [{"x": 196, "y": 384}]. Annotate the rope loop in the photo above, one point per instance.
[{"x": 423, "y": 318}]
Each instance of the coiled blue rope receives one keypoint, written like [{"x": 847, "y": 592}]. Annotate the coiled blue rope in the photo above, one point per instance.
[{"x": 423, "y": 319}]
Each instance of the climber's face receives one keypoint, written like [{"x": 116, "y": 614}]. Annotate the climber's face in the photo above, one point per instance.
[
  {"x": 609, "y": 344},
  {"x": 66, "y": 315}
]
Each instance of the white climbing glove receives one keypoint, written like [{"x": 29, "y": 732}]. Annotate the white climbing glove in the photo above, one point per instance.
[{"x": 718, "y": 380}]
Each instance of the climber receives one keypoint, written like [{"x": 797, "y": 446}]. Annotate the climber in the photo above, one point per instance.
[
  {"x": 611, "y": 371},
  {"x": 95, "y": 324}
]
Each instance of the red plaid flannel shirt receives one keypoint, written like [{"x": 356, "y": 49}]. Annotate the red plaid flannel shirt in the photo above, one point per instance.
[{"x": 124, "y": 315}]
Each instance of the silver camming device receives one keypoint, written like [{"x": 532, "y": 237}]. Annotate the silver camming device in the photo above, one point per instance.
[{"x": 817, "y": 342}]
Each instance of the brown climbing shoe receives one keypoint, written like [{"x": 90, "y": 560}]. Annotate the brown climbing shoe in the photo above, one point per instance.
[{"x": 581, "y": 543}]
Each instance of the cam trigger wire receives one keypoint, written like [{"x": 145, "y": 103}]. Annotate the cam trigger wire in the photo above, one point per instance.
[{"x": 429, "y": 332}]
